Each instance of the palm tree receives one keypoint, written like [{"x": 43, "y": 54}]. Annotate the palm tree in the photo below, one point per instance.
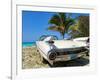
[
  {"x": 74, "y": 31},
  {"x": 60, "y": 22}
]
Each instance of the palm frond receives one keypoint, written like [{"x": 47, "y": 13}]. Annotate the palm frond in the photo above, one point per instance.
[
  {"x": 55, "y": 20},
  {"x": 62, "y": 17},
  {"x": 54, "y": 28},
  {"x": 69, "y": 22},
  {"x": 59, "y": 22}
]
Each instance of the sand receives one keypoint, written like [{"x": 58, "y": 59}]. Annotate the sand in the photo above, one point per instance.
[{"x": 31, "y": 59}]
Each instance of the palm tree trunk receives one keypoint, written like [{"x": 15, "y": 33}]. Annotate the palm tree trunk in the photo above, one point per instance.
[{"x": 63, "y": 36}]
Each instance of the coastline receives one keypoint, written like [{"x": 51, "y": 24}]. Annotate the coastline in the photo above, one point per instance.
[
  {"x": 28, "y": 44},
  {"x": 29, "y": 47}
]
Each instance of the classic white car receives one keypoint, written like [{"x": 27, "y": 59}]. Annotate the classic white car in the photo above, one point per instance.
[{"x": 54, "y": 50}]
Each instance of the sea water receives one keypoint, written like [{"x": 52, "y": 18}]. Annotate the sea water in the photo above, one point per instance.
[{"x": 28, "y": 44}]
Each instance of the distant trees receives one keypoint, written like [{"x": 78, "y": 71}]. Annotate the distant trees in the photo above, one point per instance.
[
  {"x": 81, "y": 28},
  {"x": 84, "y": 26}
]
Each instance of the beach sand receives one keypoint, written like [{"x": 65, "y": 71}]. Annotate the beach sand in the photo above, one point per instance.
[{"x": 31, "y": 59}]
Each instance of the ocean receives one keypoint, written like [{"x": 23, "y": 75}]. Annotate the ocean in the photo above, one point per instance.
[{"x": 28, "y": 44}]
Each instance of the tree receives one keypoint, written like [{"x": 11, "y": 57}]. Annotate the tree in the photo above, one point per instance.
[
  {"x": 81, "y": 28},
  {"x": 60, "y": 22},
  {"x": 74, "y": 31},
  {"x": 84, "y": 26}
]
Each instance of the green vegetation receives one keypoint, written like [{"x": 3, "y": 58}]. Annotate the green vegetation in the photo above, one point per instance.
[
  {"x": 64, "y": 24},
  {"x": 81, "y": 28},
  {"x": 61, "y": 22},
  {"x": 84, "y": 26}
]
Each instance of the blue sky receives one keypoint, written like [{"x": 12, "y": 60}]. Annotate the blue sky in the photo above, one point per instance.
[{"x": 34, "y": 25}]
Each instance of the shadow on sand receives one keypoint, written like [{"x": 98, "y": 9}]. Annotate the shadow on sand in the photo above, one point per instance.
[{"x": 72, "y": 63}]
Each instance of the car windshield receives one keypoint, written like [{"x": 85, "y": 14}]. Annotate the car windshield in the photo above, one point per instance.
[{"x": 45, "y": 36}]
